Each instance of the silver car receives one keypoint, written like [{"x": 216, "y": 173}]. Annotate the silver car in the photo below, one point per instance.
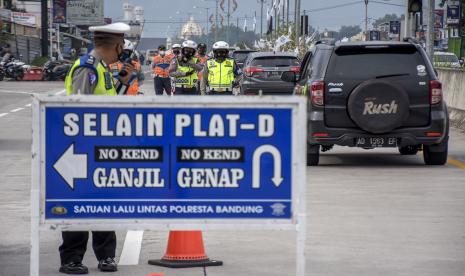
[{"x": 263, "y": 70}]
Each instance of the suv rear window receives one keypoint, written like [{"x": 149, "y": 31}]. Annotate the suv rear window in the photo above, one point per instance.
[
  {"x": 367, "y": 63},
  {"x": 275, "y": 62},
  {"x": 241, "y": 56}
]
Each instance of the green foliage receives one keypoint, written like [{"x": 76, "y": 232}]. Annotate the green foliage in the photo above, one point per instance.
[
  {"x": 39, "y": 61},
  {"x": 387, "y": 18},
  {"x": 4, "y": 37},
  {"x": 348, "y": 31}
]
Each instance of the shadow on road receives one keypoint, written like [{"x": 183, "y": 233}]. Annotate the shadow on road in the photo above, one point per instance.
[{"x": 372, "y": 160}]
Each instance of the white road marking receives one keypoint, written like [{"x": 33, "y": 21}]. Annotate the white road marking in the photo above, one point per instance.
[
  {"x": 3, "y": 114},
  {"x": 131, "y": 248},
  {"x": 16, "y": 110},
  {"x": 60, "y": 92},
  {"x": 15, "y": 92},
  {"x": 28, "y": 105}
]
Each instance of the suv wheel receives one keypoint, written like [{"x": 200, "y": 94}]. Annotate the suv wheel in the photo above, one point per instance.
[
  {"x": 436, "y": 155},
  {"x": 313, "y": 155},
  {"x": 409, "y": 150}
]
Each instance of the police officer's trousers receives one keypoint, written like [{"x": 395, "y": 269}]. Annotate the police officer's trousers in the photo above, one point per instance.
[{"x": 74, "y": 245}]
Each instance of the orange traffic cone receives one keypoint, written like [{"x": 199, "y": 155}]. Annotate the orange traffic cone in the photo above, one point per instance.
[{"x": 185, "y": 249}]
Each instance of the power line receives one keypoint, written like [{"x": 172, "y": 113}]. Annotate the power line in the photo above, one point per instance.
[
  {"x": 335, "y": 6},
  {"x": 386, "y": 3}
]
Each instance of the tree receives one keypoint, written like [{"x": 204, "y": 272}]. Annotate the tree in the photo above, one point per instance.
[
  {"x": 348, "y": 31},
  {"x": 386, "y": 19}
]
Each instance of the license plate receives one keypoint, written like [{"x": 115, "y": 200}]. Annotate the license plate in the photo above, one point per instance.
[
  {"x": 274, "y": 74},
  {"x": 376, "y": 142}
]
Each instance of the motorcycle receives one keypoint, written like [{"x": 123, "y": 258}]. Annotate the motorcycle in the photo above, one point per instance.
[
  {"x": 2, "y": 72},
  {"x": 13, "y": 69},
  {"x": 55, "y": 70}
]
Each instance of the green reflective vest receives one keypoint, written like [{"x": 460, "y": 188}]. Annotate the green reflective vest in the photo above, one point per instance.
[
  {"x": 220, "y": 74},
  {"x": 104, "y": 79},
  {"x": 187, "y": 81}
]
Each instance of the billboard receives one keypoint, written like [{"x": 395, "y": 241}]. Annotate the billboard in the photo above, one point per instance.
[
  {"x": 25, "y": 19},
  {"x": 84, "y": 12},
  {"x": 453, "y": 12},
  {"x": 439, "y": 19},
  {"x": 59, "y": 11},
  {"x": 394, "y": 27}
]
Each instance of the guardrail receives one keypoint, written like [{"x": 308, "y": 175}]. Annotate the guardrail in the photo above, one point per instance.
[{"x": 453, "y": 81}]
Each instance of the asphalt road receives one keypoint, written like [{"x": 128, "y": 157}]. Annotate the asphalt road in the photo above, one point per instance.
[{"x": 369, "y": 213}]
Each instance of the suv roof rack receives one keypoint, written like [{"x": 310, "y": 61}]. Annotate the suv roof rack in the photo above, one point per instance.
[
  {"x": 329, "y": 41},
  {"x": 411, "y": 40}
]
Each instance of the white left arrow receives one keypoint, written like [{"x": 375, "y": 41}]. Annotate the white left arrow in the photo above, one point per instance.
[{"x": 71, "y": 166}]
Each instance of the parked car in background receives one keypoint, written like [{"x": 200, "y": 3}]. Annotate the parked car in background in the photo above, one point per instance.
[
  {"x": 263, "y": 70},
  {"x": 445, "y": 59},
  {"x": 149, "y": 55},
  {"x": 355, "y": 102},
  {"x": 241, "y": 55}
]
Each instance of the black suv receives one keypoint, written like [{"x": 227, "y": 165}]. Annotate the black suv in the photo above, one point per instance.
[{"x": 370, "y": 95}]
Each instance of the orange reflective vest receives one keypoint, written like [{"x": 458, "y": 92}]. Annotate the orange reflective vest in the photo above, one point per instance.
[
  {"x": 161, "y": 65},
  {"x": 134, "y": 88},
  {"x": 203, "y": 61}
]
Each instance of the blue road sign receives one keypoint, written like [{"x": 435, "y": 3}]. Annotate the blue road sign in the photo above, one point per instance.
[{"x": 131, "y": 162}]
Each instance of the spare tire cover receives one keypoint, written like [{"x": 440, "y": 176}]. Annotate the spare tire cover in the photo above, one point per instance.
[{"x": 378, "y": 106}]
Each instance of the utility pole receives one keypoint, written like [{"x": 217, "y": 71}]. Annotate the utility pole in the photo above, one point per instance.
[
  {"x": 287, "y": 12},
  {"x": 297, "y": 23},
  {"x": 44, "y": 26},
  {"x": 229, "y": 16},
  {"x": 261, "y": 18},
  {"x": 407, "y": 19},
  {"x": 216, "y": 21},
  {"x": 366, "y": 20},
  {"x": 430, "y": 30}
]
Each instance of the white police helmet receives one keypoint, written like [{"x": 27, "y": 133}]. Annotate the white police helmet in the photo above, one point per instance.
[
  {"x": 221, "y": 45},
  {"x": 189, "y": 44},
  {"x": 176, "y": 46},
  {"x": 128, "y": 45}
]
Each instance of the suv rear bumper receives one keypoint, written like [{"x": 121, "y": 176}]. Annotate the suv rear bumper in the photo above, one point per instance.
[{"x": 405, "y": 136}]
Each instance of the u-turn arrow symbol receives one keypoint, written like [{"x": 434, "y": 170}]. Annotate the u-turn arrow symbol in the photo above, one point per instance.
[{"x": 277, "y": 176}]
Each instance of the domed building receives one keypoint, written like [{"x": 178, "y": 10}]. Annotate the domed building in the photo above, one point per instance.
[{"x": 190, "y": 29}]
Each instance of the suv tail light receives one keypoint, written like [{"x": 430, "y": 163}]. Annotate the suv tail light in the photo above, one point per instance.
[
  {"x": 435, "y": 92},
  {"x": 317, "y": 92},
  {"x": 295, "y": 69},
  {"x": 249, "y": 71}
]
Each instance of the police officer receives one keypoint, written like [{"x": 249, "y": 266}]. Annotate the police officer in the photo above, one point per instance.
[
  {"x": 137, "y": 77},
  {"x": 221, "y": 73},
  {"x": 184, "y": 69},
  {"x": 160, "y": 66},
  {"x": 176, "y": 49},
  {"x": 90, "y": 75}
]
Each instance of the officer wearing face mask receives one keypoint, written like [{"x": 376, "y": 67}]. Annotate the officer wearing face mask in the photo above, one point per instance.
[
  {"x": 90, "y": 75},
  {"x": 220, "y": 74},
  {"x": 184, "y": 69},
  {"x": 176, "y": 49},
  {"x": 160, "y": 66}
]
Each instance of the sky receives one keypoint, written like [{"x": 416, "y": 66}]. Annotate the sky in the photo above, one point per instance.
[{"x": 170, "y": 13}]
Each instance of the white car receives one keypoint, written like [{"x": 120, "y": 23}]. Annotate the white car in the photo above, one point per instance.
[{"x": 445, "y": 59}]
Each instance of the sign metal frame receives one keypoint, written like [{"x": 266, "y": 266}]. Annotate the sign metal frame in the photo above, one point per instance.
[{"x": 298, "y": 105}]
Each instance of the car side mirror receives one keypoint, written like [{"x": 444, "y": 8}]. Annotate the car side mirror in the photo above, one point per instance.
[{"x": 289, "y": 77}]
